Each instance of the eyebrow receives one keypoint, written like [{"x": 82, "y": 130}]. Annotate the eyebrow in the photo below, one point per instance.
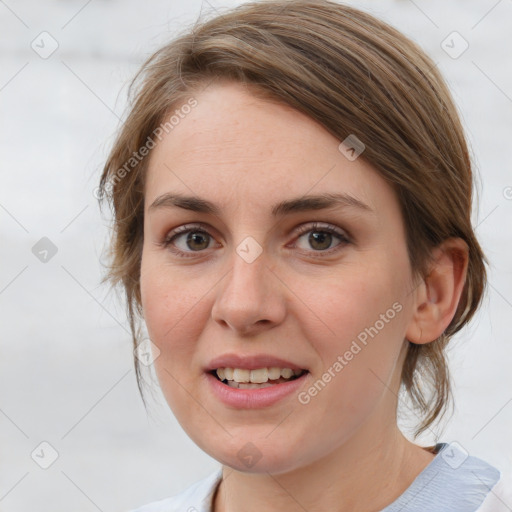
[{"x": 299, "y": 204}]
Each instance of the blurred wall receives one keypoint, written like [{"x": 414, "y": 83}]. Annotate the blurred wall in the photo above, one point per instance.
[{"x": 68, "y": 396}]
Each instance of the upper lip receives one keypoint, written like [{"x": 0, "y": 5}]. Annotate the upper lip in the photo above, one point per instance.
[{"x": 250, "y": 362}]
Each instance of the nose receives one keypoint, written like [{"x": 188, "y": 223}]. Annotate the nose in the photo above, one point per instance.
[{"x": 250, "y": 298}]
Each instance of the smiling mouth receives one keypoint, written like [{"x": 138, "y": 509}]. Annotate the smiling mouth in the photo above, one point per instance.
[{"x": 241, "y": 378}]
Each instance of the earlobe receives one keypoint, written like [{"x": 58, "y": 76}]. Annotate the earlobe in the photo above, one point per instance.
[{"x": 438, "y": 294}]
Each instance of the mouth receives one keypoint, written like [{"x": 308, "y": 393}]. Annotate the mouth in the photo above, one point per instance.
[{"x": 258, "y": 378}]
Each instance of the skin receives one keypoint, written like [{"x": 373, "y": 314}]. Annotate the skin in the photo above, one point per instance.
[{"x": 343, "y": 450}]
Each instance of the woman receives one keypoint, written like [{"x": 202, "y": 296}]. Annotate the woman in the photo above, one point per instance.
[{"x": 292, "y": 195}]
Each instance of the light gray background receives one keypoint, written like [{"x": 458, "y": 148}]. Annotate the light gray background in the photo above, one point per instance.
[{"x": 66, "y": 374}]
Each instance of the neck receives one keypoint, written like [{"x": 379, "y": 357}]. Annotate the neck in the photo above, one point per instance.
[{"x": 362, "y": 476}]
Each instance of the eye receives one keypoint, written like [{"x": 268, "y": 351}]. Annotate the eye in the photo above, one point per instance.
[
  {"x": 188, "y": 239},
  {"x": 321, "y": 238}
]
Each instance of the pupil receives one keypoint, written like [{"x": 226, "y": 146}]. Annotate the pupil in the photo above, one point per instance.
[
  {"x": 320, "y": 236},
  {"x": 194, "y": 237}
]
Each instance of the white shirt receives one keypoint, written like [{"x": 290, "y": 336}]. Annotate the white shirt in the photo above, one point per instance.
[{"x": 452, "y": 482}]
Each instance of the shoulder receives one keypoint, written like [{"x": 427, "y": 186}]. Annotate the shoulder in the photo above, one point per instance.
[
  {"x": 454, "y": 481},
  {"x": 195, "y": 498},
  {"x": 473, "y": 483},
  {"x": 499, "y": 498}
]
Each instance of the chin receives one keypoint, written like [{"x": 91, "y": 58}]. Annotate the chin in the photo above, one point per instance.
[{"x": 258, "y": 456}]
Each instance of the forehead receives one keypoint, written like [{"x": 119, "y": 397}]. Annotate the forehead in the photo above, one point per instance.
[{"x": 243, "y": 150}]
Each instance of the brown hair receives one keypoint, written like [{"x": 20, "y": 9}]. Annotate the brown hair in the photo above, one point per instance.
[{"x": 352, "y": 73}]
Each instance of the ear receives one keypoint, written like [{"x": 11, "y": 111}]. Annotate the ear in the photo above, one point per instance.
[{"x": 437, "y": 296}]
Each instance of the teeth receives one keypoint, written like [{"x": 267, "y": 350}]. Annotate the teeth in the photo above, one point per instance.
[
  {"x": 241, "y": 375},
  {"x": 286, "y": 373},
  {"x": 257, "y": 376},
  {"x": 250, "y": 385},
  {"x": 274, "y": 373}
]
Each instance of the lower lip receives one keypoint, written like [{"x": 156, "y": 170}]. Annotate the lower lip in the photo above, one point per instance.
[{"x": 254, "y": 398}]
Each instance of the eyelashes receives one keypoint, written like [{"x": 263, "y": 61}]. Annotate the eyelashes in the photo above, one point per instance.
[
  {"x": 332, "y": 232},
  {"x": 170, "y": 240},
  {"x": 320, "y": 233}
]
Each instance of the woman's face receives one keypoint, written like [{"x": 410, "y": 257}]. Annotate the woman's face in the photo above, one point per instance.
[{"x": 272, "y": 273}]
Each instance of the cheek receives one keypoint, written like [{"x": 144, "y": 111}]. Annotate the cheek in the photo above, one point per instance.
[
  {"x": 174, "y": 312},
  {"x": 357, "y": 328},
  {"x": 346, "y": 304},
  {"x": 171, "y": 307}
]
